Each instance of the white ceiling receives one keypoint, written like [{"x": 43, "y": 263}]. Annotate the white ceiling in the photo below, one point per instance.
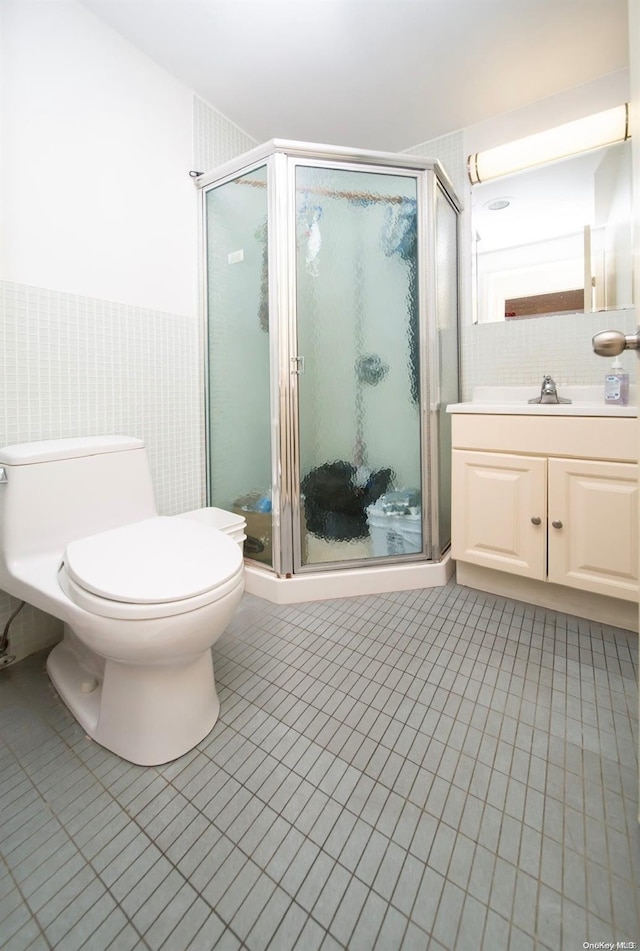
[{"x": 374, "y": 74}]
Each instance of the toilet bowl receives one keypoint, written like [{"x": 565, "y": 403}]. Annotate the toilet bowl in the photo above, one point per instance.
[{"x": 143, "y": 599}]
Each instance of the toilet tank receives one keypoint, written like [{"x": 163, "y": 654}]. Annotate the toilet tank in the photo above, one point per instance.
[{"x": 55, "y": 491}]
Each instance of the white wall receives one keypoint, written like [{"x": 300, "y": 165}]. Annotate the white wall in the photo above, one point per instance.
[{"x": 96, "y": 198}]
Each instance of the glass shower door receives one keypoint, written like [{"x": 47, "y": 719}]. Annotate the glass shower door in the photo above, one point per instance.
[
  {"x": 447, "y": 356},
  {"x": 358, "y": 365},
  {"x": 238, "y": 417}
]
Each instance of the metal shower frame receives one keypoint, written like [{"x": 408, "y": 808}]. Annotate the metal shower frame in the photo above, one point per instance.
[{"x": 281, "y": 157}]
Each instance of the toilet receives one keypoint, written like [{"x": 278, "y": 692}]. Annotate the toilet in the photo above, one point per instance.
[{"x": 143, "y": 597}]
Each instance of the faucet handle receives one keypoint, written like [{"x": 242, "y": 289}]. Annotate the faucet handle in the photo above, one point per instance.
[{"x": 549, "y": 392}]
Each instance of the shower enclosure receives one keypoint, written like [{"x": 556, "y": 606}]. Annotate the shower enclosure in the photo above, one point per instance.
[{"x": 331, "y": 289}]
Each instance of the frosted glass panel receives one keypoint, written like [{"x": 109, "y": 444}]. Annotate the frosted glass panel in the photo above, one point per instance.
[
  {"x": 447, "y": 331},
  {"x": 359, "y": 392},
  {"x": 238, "y": 343}
]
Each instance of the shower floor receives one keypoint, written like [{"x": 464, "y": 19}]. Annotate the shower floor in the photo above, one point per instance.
[{"x": 435, "y": 769}]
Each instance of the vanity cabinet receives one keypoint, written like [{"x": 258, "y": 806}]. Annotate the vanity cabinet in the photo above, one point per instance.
[
  {"x": 593, "y": 526},
  {"x": 499, "y": 507},
  {"x": 555, "y": 513}
]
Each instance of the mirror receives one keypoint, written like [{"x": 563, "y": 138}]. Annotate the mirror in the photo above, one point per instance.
[{"x": 554, "y": 239}]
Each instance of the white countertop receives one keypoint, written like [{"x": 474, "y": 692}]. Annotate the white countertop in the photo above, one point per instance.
[{"x": 513, "y": 401}]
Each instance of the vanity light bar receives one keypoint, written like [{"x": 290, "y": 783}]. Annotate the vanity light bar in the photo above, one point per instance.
[{"x": 581, "y": 135}]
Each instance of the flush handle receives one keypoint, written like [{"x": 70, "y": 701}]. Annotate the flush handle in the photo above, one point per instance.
[
  {"x": 3, "y": 474},
  {"x": 609, "y": 343}
]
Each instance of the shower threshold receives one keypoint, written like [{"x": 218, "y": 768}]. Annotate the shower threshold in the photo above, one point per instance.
[{"x": 346, "y": 582}]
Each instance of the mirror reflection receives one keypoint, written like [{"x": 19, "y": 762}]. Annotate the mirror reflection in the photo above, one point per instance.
[{"x": 555, "y": 239}]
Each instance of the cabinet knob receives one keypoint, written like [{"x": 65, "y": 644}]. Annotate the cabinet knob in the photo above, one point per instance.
[
  {"x": 557, "y": 524},
  {"x": 536, "y": 520}
]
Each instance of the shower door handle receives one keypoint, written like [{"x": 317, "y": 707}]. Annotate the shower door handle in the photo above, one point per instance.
[{"x": 297, "y": 365}]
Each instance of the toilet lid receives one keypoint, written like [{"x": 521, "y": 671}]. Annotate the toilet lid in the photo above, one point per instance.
[{"x": 154, "y": 561}]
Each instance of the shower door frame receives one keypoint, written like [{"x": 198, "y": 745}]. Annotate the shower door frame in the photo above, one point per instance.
[
  {"x": 281, "y": 158},
  {"x": 292, "y": 411},
  {"x": 206, "y": 182}
]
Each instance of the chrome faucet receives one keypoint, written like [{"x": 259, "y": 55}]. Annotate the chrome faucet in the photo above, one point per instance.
[{"x": 549, "y": 392}]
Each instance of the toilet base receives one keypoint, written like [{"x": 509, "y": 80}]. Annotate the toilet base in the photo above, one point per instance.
[{"x": 147, "y": 715}]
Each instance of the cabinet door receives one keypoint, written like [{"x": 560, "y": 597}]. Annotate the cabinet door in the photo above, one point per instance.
[
  {"x": 499, "y": 512},
  {"x": 593, "y": 517}
]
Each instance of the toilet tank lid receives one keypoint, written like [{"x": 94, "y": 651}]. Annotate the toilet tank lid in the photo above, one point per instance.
[{"x": 50, "y": 450}]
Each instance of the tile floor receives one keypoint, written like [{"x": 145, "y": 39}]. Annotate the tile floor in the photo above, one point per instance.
[{"x": 435, "y": 769}]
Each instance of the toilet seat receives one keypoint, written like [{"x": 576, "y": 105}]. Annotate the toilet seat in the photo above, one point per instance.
[{"x": 158, "y": 567}]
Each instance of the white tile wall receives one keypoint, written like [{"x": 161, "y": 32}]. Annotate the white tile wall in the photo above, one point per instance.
[
  {"x": 519, "y": 352},
  {"x": 449, "y": 150},
  {"x": 215, "y": 138},
  {"x": 78, "y": 366},
  {"x": 73, "y": 365}
]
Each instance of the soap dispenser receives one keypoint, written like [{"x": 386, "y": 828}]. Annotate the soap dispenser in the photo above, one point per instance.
[{"x": 616, "y": 385}]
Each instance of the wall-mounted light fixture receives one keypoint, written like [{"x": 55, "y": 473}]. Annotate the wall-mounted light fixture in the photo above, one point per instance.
[{"x": 582, "y": 135}]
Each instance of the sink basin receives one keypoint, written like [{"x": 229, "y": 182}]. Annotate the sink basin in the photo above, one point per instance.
[{"x": 513, "y": 401}]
